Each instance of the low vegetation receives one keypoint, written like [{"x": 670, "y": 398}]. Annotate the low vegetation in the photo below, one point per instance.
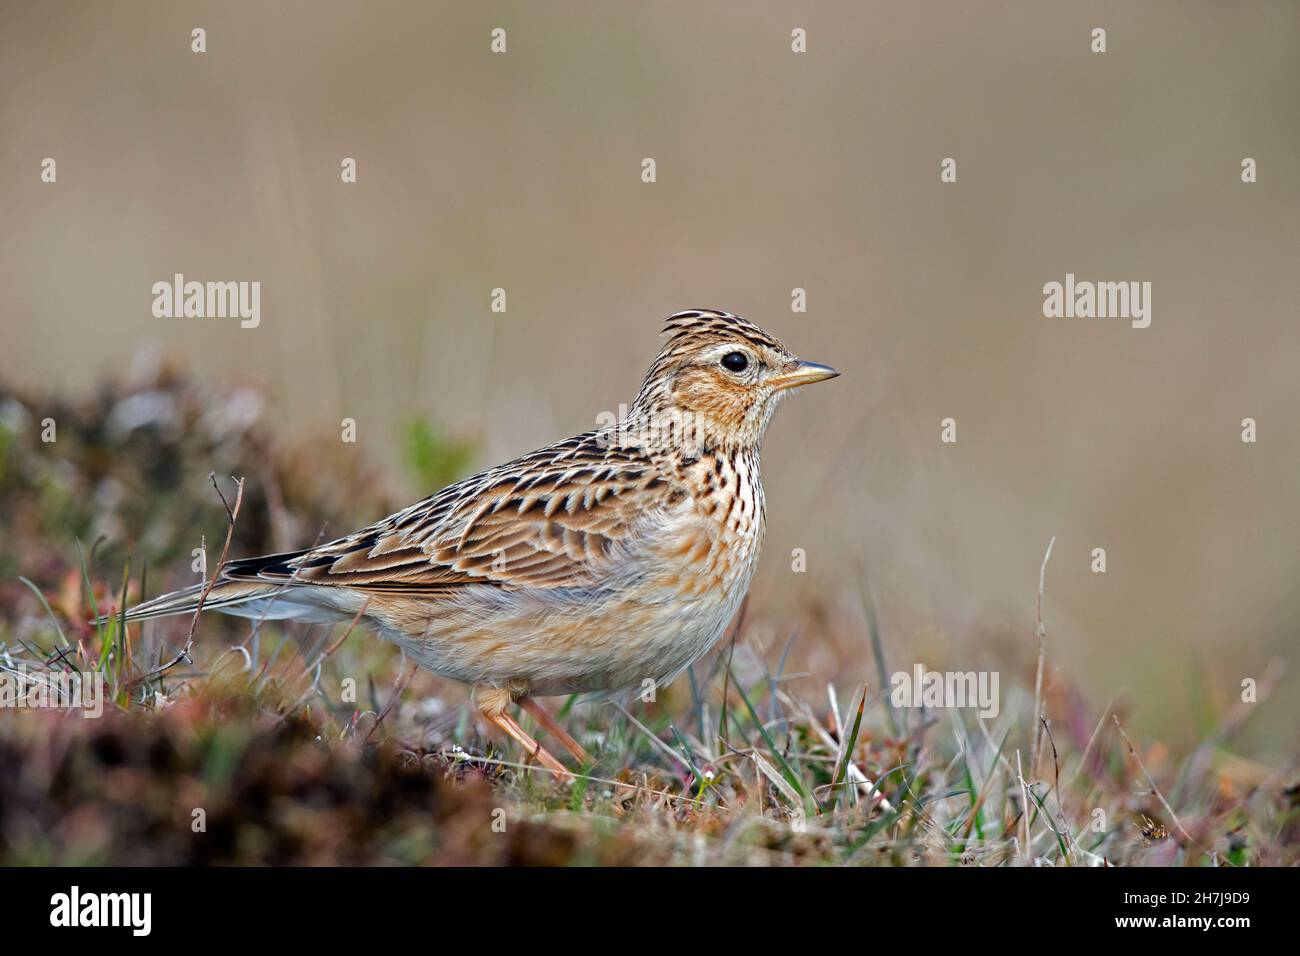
[{"x": 266, "y": 743}]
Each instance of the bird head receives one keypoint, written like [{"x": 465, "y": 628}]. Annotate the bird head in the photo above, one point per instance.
[{"x": 721, "y": 378}]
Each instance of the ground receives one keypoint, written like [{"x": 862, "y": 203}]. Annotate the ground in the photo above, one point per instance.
[{"x": 292, "y": 744}]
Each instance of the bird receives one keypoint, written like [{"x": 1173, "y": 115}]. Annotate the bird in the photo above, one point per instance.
[{"x": 598, "y": 565}]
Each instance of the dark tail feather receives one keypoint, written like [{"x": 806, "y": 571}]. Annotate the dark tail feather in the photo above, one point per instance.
[{"x": 224, "y": 594}]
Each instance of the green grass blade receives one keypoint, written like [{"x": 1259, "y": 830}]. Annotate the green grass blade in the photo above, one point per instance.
[
  {"x": 48, "y": 610},
  {"x": 786, "y": 772}
]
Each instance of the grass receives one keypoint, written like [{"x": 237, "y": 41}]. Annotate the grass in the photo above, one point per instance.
[
  {"x": 270, "y": 743},
  {"x": 781, "y": 778}
]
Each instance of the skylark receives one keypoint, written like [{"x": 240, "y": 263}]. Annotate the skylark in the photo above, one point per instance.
[{"x": 589, "y": 566}]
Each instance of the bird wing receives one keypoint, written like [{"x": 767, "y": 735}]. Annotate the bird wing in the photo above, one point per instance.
[{"x": 559, "y": 517}]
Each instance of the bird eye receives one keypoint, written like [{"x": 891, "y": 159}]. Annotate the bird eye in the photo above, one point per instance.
[{"x": 734, "y": 361}]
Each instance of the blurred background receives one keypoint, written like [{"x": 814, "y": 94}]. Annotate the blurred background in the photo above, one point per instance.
[{"x": 775, "y": 171}]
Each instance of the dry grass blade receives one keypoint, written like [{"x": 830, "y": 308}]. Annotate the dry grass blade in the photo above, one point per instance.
[
  {"x": 1154, "y": 788},
  {"x": 1042, "y": 656},
  {"x": 232, "y": 514},
  {"x": 776, "y": 779},
  {"x": 847, "y": 743},
  {"x": 1026, "y": 855}
]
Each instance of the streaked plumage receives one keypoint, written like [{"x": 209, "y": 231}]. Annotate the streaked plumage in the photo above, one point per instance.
[{"x": 590, "y": 565}]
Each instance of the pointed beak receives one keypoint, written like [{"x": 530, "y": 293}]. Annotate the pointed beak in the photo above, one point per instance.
[{"x": 803, "y": 373}]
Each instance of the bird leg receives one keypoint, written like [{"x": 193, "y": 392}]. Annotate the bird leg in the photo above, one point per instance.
[
  {"x": 555, "y": 730},
  {"x": 491, "y": 705}
]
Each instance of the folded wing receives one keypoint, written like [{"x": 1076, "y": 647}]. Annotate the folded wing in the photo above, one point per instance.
[{"x": 560, "y": 517}]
